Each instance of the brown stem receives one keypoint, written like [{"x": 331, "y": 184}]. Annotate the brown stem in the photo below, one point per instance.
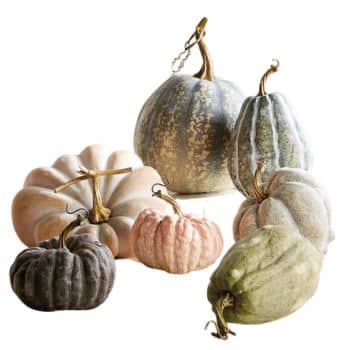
[
  {"x": 206, "y": 71},
  {"x": 273, "y": 69},
  {"x": 167, "y": 198},
  {"x": 259, "y": 194},
  {"x": 70, "y": 227},
  {"x": 98, "y": 213},
  {"x": 222, "y": 330}
]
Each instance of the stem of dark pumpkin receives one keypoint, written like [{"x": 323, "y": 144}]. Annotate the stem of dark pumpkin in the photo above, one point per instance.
[
  {"x": 259, "y": 194},
  {"x": 222, "y": 330},
  {"x": 70, "y": 227},
  {"x": 98, "y": 213},
  {"x": 273, "y": 69},
  {"x": 206, "y": 71}
]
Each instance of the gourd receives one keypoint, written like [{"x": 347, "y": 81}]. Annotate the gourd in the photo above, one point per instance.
[
  {"x": 39, "y": 212},
  {"x": 74, "y": 273},
  {"x": 268, "y": 274},
  {"x": 175, "y": 243},
  {"x": 266, "y": 130},
  {"x": 290, "y": 197},
  {"x": 184, "y": 128}
]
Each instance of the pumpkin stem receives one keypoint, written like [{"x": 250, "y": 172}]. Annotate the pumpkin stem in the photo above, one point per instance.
[
  {"x": 166, "y": 198},
  {"x": 70, "y": 227},
  {"x": 222, "y": 330},
  {"x": 206, "y": 71},
  {"x": 273, "y": 69},
  {"x": 98, "y": 212},
  {"x": 259, "y": 194}
]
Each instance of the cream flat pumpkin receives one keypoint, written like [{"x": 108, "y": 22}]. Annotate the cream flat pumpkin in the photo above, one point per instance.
[{"x": 39, "y": 213}]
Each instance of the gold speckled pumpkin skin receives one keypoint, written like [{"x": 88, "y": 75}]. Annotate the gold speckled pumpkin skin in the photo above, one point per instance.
[
  {"x": 270, "y": 273},
  {"x": 183, "y": 131}
]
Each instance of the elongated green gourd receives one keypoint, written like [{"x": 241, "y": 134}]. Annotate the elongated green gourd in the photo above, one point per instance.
[{"x": 268, "y": 274}]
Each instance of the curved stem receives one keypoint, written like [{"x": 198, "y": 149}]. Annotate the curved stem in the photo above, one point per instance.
[
  {"x": 70, "y": 227},
  {"x": 222, "y": 330},
  {"x": 167, "y": 198},
  {"x": 206, "y": 71},
  {"x": 98, "y": 213},
  {"x": 273, "y": 69},
  {"x": 259, "y": 194}
]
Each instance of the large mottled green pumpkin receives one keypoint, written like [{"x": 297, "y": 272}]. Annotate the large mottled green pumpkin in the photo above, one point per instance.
[
  {"x": 184, "y": 129},
  {"x": 266, "y": 132},
  {"x": 268, "y": 274}
]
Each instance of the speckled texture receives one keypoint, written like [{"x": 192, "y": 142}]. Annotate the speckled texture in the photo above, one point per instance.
[
  {"x": 270, "y": 273},
  {"x": 39, "y": 214},
  {"x": 50, "y": 278},
  {"x": 176, "y": 244},
  {"x": 184, "y": 129},
  {"x": 294, "y": 199},
  {"x": 266, "y": 133}
]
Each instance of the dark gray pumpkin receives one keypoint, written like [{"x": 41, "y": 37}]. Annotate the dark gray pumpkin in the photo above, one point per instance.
[
  {"x": 184, "y": 128},
  {"x": 266, "y": 133},
  {"x": 79, "y": 276}
]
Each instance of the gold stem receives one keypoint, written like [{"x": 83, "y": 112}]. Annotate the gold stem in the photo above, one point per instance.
[
  {"x": 206, "y": 71},
  {"x": 259, "y": 194},
  {"x": 98, "y": 213},
  {"x": 222, "y": 330},
  {"x": 273, "y": 69},
  {"x": 70, "y": 227},
  {"x": 166, "y": 198}
]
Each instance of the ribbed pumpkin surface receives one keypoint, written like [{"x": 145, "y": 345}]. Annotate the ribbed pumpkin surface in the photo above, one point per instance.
[
  {"x": 176, "y": 244},
  {"x": 265, "y": 133},
  {"x": 270, "y": 273},
  {"x": 183, "y": 131},
  {"x": 49, "y": 278}
]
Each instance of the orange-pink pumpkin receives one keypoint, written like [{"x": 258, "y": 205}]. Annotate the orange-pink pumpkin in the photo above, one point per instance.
[{"x": 176, "y": 243}]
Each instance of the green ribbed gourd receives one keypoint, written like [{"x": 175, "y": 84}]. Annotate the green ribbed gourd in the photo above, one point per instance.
[
  {"x": 185, "y": 126},
  {"x": 268, "y": 274},
  {"x": 266, "y": 132}
]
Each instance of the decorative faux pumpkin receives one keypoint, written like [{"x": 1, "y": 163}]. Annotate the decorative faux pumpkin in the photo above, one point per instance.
[
  {"x": 175, "y": 243},
  {"x": 267, "y": 275},
  {"x": 184, "y": 128},
  {"x": 290, "y": 197},
  {"x": 60, "y": 274},
  {"x": 39, "y": 213},
  {"x": 266, "y": 130}
]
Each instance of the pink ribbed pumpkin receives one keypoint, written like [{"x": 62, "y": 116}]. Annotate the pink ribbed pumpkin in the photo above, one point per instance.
[{"x": 176, "y": 243}]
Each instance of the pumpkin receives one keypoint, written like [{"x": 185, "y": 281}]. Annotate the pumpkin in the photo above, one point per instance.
[
  {"x": 268, "y": 274},
  {"x": 175, "y": 243},
  {"x": 60, "y": 274},
  {"x": 39, "y": 212},
  {"x": 290, "y": 197},
  {"x": 266, "y": 130},
  {"x": 184, "y": 128}
]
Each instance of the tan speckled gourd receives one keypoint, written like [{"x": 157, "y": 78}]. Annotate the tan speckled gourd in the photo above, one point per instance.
[
  {"x": 289, "y": 197},
  {"x": 39, "y": 213},
  {"x": 175, "y": 243},
  {"x": 64, "y": 274}
]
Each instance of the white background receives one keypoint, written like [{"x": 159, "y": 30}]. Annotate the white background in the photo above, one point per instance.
[{"x": 74, "y": 73}]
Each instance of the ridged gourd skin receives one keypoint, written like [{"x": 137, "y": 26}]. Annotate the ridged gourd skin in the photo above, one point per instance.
[
  {"x": 184, "y": 130},
  {"x": 293, "y": 198},
  {"x": 270, "y": 273},
  {"x": 38, "y": 213},
  {"x": 266, "y": 133},
  {"x": 49, "y": 278},
  {"x": 176, "y": 244}
]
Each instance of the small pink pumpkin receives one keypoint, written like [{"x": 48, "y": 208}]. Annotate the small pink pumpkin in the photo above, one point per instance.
[{"x": 176, "y": 243}]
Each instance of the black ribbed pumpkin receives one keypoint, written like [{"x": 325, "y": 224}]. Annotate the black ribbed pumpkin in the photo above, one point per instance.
[
  {"x": 266, "y": 133},
  {"x": 60, "y": 275},
  {"x": 184, "y": 128}
]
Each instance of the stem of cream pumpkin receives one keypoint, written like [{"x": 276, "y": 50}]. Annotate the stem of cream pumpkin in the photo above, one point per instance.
[
  {"x": 70, "y": 227},
  {"x": 259, "y": 194},
  {"x": 221, "y": 304},
  {"x": 206, "y": 71},
  {"x": 273, "y": 69},
  {"x": 98, "y": 213}
]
